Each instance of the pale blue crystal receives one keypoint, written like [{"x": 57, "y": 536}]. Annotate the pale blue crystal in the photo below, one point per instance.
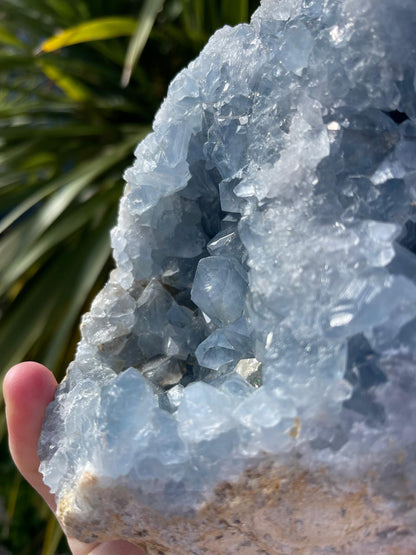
[
  {"x": 219, "y": 288},
  {"x": 225, "y": 347},
  {"x": 203, "y": 413}
]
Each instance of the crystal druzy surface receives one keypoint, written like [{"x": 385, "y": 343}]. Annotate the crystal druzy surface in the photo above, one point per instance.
[{"x": 264, "y": 298}]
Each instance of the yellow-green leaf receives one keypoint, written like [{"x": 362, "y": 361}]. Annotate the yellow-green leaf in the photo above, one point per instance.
[
  {"x": 141, "y": 33},
  {"x": 53, "y": 534},
  {"x": 7, "y": 38},
  {"x": 96, "y": 29},
  {"x": 72, "y": 88}
]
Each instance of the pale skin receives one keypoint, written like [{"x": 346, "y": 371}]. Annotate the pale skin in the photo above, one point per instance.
[{"x": 28, "y": 388}]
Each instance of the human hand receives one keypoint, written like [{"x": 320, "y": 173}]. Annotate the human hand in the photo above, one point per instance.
[{"x": 27, "y": 389}]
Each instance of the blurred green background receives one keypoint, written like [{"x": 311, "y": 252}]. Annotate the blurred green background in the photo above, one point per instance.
[{"x": 80, "y": 82}]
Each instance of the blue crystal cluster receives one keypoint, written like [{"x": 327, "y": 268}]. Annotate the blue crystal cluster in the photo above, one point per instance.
[{"x": 264, "y": 296}]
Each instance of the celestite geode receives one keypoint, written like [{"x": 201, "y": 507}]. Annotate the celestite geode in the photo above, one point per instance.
[{"x": 246, "y": 380}]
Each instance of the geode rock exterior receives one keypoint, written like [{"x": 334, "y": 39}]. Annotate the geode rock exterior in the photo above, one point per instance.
[{"x": 246, "y": 381}]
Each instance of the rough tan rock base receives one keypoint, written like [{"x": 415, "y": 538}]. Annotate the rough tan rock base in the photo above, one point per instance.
[{"x": 269, "y": 511}]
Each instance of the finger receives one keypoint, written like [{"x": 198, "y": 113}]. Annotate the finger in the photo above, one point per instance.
[
  {"x": 28, "y": 388},
  {"x": 118, "y": 547}
]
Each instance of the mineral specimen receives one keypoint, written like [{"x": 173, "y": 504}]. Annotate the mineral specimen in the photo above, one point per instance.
[{"x": 246, "y": 381}]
